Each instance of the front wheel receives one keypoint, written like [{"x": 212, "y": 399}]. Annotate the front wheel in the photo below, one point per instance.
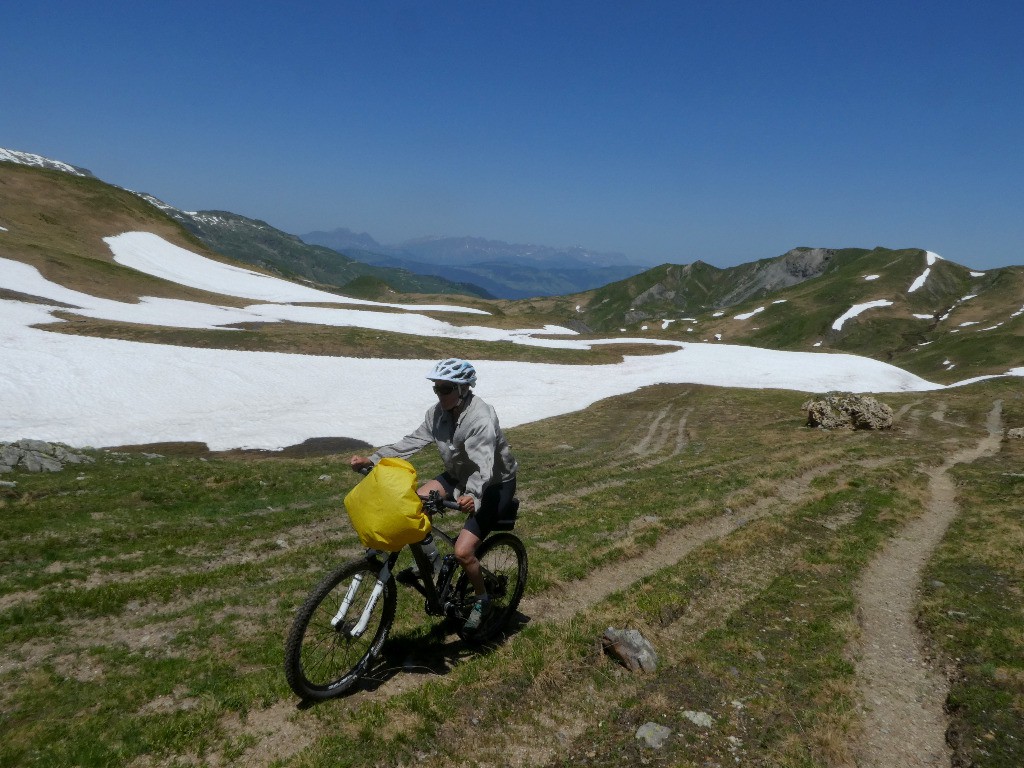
[
  {"x": 339, "y": 631},
  {"x": 503, "y": 563}
]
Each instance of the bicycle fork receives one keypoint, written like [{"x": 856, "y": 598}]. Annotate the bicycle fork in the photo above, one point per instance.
[{"x": 364, "y": 618}]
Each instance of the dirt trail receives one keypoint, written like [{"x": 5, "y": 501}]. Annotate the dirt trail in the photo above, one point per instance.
[
  {"x": 670, "y": 549},
  {"x": 570, "y": 600},
  {"x": 904, "y": 721}
]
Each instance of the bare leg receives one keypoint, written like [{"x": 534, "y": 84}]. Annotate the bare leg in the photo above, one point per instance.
[
  {"x": 465, "y": 553},
  {"x": 432, "y": 485}
]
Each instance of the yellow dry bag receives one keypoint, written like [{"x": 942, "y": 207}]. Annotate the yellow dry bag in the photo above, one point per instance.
[{"x": 384, "y": 508}]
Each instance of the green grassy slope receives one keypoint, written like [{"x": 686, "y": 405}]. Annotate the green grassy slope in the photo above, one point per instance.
[
  {"x": 57, "y": 223},
  {"x": 144, "y": 600},
  {"x": 955, "y": 326}
]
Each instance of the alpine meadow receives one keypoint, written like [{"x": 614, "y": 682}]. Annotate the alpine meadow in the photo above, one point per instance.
[{"x": 189, "y": 387}]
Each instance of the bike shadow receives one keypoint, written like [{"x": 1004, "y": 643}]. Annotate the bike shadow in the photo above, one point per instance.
[{"x": 436, "y": 654}]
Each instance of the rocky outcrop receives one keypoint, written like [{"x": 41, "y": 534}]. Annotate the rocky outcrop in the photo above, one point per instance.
[
  {"x": 772, "y": 275},
  {"x": 38, "y": 456},
  {"x": 842, "y": 411}
]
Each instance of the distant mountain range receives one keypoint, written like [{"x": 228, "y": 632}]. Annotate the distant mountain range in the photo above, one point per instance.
[
  {"x": 256, "y": 242},
  {"x": 505, "y": 270},
  {"x": 442, "y": 265}
]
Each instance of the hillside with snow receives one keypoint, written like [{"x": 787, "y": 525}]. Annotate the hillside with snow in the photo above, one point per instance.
[
  {"x": 117, "y": 327},
  {"x": 89, "y": 391}
]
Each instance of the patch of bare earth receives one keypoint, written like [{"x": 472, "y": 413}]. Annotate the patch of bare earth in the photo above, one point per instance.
[{"x": 903, "y": 696}]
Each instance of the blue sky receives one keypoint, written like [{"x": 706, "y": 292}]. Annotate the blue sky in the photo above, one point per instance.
[{"x": 667, "y": 131}]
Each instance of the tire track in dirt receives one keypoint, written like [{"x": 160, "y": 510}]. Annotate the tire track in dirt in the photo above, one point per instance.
[
  {"x": 904, "y": 721},
  {"x": 559, "y": 604},
  {"x": 652, "y": 443},
  {"x": 650, "y": 448},
  {"x": 200, "y": 559},
  {"x": 551, "y": 731},
  {"x": 670, "y": 549}
]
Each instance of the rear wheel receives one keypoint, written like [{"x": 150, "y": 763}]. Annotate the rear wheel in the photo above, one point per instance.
[
  {"x": 337, "y": 633},
  {"x": 503, "y": 562}
]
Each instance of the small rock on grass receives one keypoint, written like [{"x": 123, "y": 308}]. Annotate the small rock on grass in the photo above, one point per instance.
[
  {"x": 631, "y": 648},
  {"x": 653, "y": 735}
]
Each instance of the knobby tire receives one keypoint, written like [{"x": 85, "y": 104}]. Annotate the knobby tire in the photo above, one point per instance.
[{"x": 322, "y": 661}]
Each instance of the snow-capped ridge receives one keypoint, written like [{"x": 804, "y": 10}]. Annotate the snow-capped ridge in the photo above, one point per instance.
[{"x": 38, "y": 161}]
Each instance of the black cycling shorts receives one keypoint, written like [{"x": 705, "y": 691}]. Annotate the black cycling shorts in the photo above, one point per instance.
[{"x": 495, "y": 501}]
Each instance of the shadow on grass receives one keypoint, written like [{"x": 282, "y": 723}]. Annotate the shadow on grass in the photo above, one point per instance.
[{"x": 435, "y": 654}]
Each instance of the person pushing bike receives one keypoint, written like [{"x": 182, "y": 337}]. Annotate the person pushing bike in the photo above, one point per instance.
[{"x": 480, "y": 470}]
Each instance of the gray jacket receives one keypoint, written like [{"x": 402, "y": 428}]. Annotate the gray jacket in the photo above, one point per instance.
[{"x": 473, "y": 447}]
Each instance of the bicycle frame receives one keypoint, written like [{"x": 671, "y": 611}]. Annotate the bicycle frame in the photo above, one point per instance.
[{"x": 427, "y": 586}]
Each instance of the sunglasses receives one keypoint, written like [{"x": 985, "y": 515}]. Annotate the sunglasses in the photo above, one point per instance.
[{"x": 444, "y": 389}]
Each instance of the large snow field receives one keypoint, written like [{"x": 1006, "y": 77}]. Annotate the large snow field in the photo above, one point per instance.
[{"x": 90, "y": 391}]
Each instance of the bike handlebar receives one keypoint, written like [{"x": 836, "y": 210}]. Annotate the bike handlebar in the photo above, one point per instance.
[{"x": 434, "y": 501}]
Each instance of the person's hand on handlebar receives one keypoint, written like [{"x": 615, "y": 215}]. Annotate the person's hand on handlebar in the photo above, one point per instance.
[
  {"x": 360, "y": 463},
  {"x": 466, "y": 504}
]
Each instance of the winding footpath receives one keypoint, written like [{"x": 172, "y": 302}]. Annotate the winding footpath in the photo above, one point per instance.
[{"x": 904, "y": 721}]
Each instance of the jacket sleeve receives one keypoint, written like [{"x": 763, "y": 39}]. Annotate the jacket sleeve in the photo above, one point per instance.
[
  {"x": 408, "y": 445},
  {"x": 480, "y": 445}
]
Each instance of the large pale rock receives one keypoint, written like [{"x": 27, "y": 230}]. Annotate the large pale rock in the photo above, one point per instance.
[
  {"x": 37, "y": 456},
  {"x": 842, "y": 411}
]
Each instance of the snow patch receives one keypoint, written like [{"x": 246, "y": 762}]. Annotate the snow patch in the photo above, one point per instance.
[
  {"x": 919, "y": 281},
  {"x": 155, "y": 256},
  {"x": 748, "y": 315},
  {"x": 856, "y": 309}
]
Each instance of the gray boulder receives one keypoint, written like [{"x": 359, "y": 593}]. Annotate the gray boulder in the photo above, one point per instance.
[
  {"x": 38, "y": 456},
  {"x": 631, "y": 648},
  {"x": 845, "y": 411}
]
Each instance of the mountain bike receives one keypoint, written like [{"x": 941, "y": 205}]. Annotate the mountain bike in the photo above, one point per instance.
[{"x": 341, "y": 627}]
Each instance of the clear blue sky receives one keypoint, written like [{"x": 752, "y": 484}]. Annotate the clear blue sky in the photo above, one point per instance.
[{"x": 668, "y": 131}]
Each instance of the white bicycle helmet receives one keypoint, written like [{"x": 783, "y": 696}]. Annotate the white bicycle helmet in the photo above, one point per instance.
[{"x": 454, "y": 370}]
